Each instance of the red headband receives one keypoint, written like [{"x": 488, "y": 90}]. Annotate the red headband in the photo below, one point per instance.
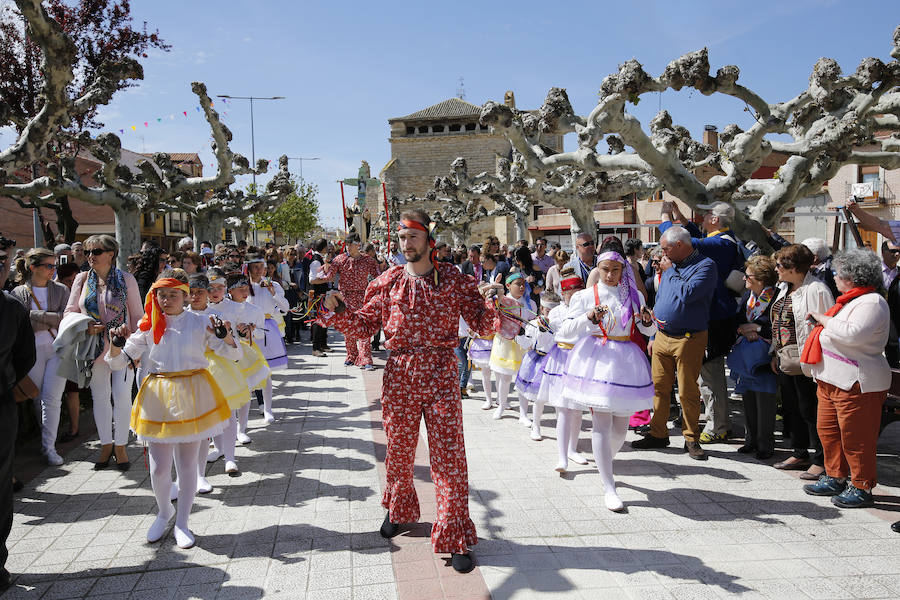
[
  {"x": 572, "y": 282},
  {"x": 410, "y": 224}
]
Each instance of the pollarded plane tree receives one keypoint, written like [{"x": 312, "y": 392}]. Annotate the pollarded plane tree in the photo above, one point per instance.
[
  {"x": 154, "y": 188},
  {"x": 830, "y": 123}
]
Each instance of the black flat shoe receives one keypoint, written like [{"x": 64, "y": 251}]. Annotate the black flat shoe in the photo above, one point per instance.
[
  {"x": 747, "y": 449},
  {"x": 764, "y": 454},
  {"x": 388, "y": 529},
  {"x": 123, "y": 466},
  {"x": 462, "y": 563},
  {"x": 895, "y": 527},
  {"x": 99, "y": 466}
]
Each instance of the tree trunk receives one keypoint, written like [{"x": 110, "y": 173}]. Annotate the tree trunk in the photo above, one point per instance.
[
  {"x": 65, "y": 220},
  {"x": 128, "y": 234},
  {"x": 582, "y": 221},
  {"x": 521, "y": 226},
  {"x": 208, "y": 228}
]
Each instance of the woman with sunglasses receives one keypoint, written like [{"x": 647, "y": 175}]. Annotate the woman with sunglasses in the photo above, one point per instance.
[
  {"x": 46, "y": 301},
  {"x": 111, "y": 297}
]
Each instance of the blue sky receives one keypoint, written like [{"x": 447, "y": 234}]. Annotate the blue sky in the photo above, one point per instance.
[{"x": 346, "y": 67}]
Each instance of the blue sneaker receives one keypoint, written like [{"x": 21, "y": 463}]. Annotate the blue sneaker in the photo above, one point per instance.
[
  {"x": 853, "y": 497},
  {"x": 826, "y": 486}
]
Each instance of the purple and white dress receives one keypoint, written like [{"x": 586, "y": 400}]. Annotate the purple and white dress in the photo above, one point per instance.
[
  {"x": 550, "y": 390},
  {"x": 606, "y": 371},
  {"x": 537, "y": 345}
]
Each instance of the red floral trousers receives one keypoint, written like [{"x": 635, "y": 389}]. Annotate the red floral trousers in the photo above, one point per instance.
[
  {"x": 359, "y": 350},
  {"x": 417, "y": 384}
]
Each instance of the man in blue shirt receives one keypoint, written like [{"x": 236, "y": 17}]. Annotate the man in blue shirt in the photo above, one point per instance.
[
  {"x": 585, "y": 255},
  {"x": 720, "y": 245},
  {"x": 682, "y": 315}
]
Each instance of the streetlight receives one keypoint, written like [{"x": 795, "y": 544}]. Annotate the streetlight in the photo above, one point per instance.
[
  {"x": 301, "y": 159},
  {"x": 252, "y": 136}
]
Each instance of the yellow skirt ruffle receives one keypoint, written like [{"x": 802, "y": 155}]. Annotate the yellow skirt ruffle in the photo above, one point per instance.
[
  {"x": 279, "y": 320},
  {"x": 179, "y": 407},
  {"x": 230, "y": 380},
  {"x": 253, "y": 366},
  {"x": 506, "y": 356}
]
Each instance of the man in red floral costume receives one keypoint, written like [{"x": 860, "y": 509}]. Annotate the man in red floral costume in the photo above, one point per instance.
[
  {"x": 419, "y": 305},
  {"x": 354, "y": 271}
]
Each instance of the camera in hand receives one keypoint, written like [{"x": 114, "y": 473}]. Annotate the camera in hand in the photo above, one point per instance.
[
  {"x": 118, "y": 341},
  {"x": 219, "y": 328}
]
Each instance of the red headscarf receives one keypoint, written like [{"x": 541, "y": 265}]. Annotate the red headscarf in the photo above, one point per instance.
[
  {"x": 812, "y": 349},
  {"x": 572, "y": 282},
  {"x": 154, "y": 318}
]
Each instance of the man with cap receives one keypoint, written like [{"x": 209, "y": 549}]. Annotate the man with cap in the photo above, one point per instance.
[
  {"x": 419, "y": 305},
  {"x": 719, "y": 244}
]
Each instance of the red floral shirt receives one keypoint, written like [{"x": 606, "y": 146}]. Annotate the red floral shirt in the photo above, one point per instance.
[{"x": 354, "y": 274}]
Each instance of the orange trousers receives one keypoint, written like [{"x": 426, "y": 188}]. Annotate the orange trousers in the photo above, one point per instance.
[{"x": 848, "y": 423}]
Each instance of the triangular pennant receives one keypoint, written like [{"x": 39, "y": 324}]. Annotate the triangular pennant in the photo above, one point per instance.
[
  {"x": 145, "y": 124},
  {"x": 185, "y": 112},
  {"x": 133, "y": 128}
]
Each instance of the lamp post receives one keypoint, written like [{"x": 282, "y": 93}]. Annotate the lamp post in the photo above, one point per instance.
[
  {"x": 252, "y": 134},
  {"x": 301, "y": 159}
]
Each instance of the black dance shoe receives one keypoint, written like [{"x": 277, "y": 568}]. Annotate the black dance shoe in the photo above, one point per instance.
[
  {"x": 462, "y": 563},
  {"x": 388, "y": 529}
]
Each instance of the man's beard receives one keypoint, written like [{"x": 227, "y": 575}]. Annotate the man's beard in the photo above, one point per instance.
[{"x": 413, "y": 256}]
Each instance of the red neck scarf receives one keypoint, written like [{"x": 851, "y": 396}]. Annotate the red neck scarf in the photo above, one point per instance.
[{"x": 812, "y": 349}]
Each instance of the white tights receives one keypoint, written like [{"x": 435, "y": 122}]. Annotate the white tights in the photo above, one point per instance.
[
  {"x": 607, "y": 438},
  {"x": 243, "y": 414},
  {"x": 503, "y": 382},
  {"x": 568, "y": 426},
  {"x": 267, "y": 397},
  {"x": 537, "y": 411},
  {"x": 185, "y": 456},
  {"x": 486, "y": 383},
  {"x": 225, "y": 441}
]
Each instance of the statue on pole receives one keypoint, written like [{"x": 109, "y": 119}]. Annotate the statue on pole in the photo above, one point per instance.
[{"x": 360, "y": 213}]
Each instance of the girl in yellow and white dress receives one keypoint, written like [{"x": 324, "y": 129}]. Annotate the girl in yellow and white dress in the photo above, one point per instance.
[
  {"x": 227, "y": 375},
  {"x": 252, "y": 366},
  {"x": 506, "y": 353},
  {"x": 179, "y": 404},
  {"x": 251, "y": 331}
]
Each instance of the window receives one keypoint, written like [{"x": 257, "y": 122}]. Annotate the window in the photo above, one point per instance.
[
  {"x": 484, "y": 127},
  {"x": 410, "y": 131},
  {"x": 656, "y": 197},
  {"x": 455, "y": 127},
  {"x": 437, "y": 129},
  {"x": 470, "y": 126},
  {"x": 423, "y": 129}
]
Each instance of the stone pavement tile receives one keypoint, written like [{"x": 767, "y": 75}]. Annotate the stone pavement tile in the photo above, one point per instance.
[
  {"x": 70, "y": 588},
  {"x": 243, "y": 589},
  {"x": 694, "y": 591},
  {"x": 863, "y": 587},
  {"x": 197, "y": 591},
  {"x": 417, "y": 570},
  {"x": 329, "y": 580},
  {"x": 115, "y": 584},
  {"x": 247, "y": 568},
  {"x": 645, "y": 592},
  {"x": 383, "y": 591},
  {"x": 345, "y": 593},
  {"x": 375, "y": 574},
  {"x": 775, "y": 588},
  {"x": 586, "y": 577},
  {"x": 161, "y": 579}
]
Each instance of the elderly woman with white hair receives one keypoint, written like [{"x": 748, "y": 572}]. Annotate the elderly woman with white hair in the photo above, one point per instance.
[
  {"x": 844, "y": 354},
  {"x": 821, "y": 269}
]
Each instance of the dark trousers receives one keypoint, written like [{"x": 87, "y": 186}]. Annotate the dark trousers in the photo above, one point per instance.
[
  {"x": 319, "y": 337},
  {"x": 9, "y": 422},
  {"x": 465, "y": 367},
  {"x": 759, "y": 414},
  {"x": 798, "y": 397}
]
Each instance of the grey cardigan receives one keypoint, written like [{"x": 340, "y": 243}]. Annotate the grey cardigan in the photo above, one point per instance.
[{"x": 51, "y": 315}]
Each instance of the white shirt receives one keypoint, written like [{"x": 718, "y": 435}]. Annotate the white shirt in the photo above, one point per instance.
[
  {"x": 244, "y": 312},
  {"x": 266, "y": 301},
  {"x": 535, "y": 339},
  {"x": 314, "y": 268},
  {"x": 888, "y": 275},
  {"x": 181, "y": 348},
  {"x": 577, "y": 325}
]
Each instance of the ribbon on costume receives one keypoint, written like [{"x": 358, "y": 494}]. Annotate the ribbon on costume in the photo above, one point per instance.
[
  {"x": 629, "y": 295},
  {"x": 154, "y": 318}
]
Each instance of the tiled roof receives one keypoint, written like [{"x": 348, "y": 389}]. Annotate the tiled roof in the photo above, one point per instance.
[
  {"x": 180, "y": 156},
  {"x": 452, "y": 107}
]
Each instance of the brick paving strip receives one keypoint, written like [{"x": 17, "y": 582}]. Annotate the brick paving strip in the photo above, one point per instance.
[{"x": 301, "y": 521}]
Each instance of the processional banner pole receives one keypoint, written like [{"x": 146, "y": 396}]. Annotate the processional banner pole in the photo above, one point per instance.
[{"x": 343, "y": 208}]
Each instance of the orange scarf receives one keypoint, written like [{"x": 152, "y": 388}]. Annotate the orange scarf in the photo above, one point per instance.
[
  {"x": 812, "y": 349},
  {"x": 154, "y": 318}
]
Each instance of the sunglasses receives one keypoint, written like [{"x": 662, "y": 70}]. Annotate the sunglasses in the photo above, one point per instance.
[
  {"x": 587, "y": 244},
  {"x": 46, "y": 265},
  {"x": 96, "y": 252},
  {"x": 895, "y": 252}
]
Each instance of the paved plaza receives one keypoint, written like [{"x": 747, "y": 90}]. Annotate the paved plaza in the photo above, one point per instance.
[{"x": 301, "y": 520}]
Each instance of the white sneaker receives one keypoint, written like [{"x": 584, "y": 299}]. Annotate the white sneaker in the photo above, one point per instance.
[
  {"x": 213, "y": 456},
  {"x": 525, "y": 421},
  {"x": 243, "y": 438},
  {"x": 54, "y": 459},
  {"x": 183, "y": 537},
  {"x": 487, "y": 405},
  {"x": 231, "y": 467},
  {"x": 158, "y": 529},
  {"x": 268, "y": 417},
  {"x": 613, "y": 502},
  {"x": 204, "y": 486}
]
